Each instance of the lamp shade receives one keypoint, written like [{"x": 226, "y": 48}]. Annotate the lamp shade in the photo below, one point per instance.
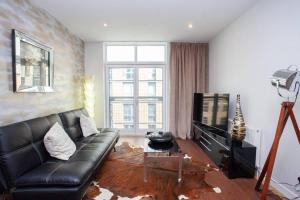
[
  {"x": 284, "y": 78},
  {"x": 89, "y": 95}
]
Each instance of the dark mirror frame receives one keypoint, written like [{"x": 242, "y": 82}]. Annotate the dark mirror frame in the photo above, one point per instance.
[{"x": 17, "y": 38}]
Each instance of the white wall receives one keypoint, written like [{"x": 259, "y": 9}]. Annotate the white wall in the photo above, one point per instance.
[
  {"x": 242, "y": 59},
  {"x": 94, "y": 66}
]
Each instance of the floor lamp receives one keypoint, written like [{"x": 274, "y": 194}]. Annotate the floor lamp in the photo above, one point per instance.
[
  {"x": 289, "y": 80},
  {"x": 89, "y": 95}
]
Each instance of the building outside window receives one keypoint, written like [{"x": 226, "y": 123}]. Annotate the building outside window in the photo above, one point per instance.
[
  {"x": 28, "y": 70},
  {"x": 36, "y": 81},
  {"x": 127, "y": 89},
  {"x": 205, "y": 106},
  {"x": 153, "y": 75},
  {"x": 129, "y": 74},
  {"x": 151, "y": 89},
  {"x": 151, "y": 116},
  {"x": 128, "y": 115},
  {"x": 22, "y": 81},
  {"x": 135, "y": 86}
]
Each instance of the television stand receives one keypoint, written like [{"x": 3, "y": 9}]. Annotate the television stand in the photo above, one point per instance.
[{"x": 235, "y": 158}]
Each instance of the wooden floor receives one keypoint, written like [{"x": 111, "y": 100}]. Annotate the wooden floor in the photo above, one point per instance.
[{"x": 232, "y": 189}]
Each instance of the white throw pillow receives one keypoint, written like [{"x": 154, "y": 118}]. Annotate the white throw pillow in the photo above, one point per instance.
[
  {"x": 88, "y": 126},
  {"x": 58, "y": 143}
]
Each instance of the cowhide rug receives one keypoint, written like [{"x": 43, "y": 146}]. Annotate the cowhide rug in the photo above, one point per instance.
[{"x": 122, "y": 178}]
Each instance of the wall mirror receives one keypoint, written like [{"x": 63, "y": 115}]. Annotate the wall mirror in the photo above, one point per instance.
[{"x": 32, "y": 64}]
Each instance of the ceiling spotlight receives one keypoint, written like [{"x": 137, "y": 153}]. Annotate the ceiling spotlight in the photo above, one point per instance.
[
  {"x": 105, "y": 24},
  {"x": 190, "y": 25}
]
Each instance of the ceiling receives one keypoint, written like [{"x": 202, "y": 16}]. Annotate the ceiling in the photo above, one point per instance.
[{"x": 145, "y": 20}]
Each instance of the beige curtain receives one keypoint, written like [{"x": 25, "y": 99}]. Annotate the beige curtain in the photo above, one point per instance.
[{"x": 188, "y": 74}]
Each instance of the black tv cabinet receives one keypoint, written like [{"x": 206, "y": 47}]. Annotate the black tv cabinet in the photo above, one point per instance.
[{"x": 236, "y": 159}]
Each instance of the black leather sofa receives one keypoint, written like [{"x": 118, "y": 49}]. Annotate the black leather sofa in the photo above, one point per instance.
[{"x": 28, "y": 171}]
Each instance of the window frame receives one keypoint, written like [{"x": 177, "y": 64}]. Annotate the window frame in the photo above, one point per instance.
[{"x": 135, "y": 65}]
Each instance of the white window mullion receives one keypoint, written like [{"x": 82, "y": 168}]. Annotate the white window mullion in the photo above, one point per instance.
[
  {"x": 136, "y": 117},
  {"x": 107, "y": 95},
  {"x": 164, "y": 82},
  {"x": 135, "y": 54},
  {"x": 136, "y": 101}
]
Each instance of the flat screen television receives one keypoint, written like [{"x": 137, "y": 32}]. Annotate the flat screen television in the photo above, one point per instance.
[{"x": 211, "y": 109}]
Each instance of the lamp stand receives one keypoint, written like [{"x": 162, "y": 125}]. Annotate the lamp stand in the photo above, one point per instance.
[{"x": 285, "y": 113}]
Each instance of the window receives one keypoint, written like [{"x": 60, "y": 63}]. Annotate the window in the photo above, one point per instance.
[
  {"x": 27, "y": 70},
  {"x": 22, "y": 81},
  {"x": 151, "y": 116},
  {"x": 127, "y": 89},
  {"x": 151, "y": 53},
  {"x": 128, "y": 116},
  {"x": 135, "y": 86},
  {"x": 36, "y": 71},
  {"x": 129, "y": 74},
  {"x": 205, "y": 120},
  {"x": 151, "y": 126},
  {"x": 128, "y": 112},
  {"x": 205, "y": 106},
  {"x": 223, "y": 120},
  {"x": 153, "y": 75},
  {"x": 151, "y": 88},
  {"x": 120, "y": 53},
  {"x": 36, "y": 81}
]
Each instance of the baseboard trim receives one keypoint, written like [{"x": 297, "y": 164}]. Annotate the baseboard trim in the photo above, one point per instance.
[
  {"x": 283, "y": 189},
  {"x": 287, "y": 192}
]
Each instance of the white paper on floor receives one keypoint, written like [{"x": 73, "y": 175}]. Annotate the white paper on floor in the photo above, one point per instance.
[
  {"x": 187, "y": 157},
  {"x": 105, "y": 194},
  {"x": 217, "y": 190},
  {"x": 182, "y": 197},
  {"x": 134, "y": 198}
]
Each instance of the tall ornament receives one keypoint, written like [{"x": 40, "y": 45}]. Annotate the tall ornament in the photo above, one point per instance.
[{"x": 238, "y": 128}]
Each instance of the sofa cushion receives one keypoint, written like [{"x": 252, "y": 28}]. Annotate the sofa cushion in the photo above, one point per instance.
[
  {"x": 88, "y": 126},
  {"x": 93, "y": 147},
  {"x": 58, "y": 143},
  {"x": 71, "y": 123},
  {"x": 64, "y": 173},
  {"x": 99, "y": 138},
  {"x": 90, "y": 153}
]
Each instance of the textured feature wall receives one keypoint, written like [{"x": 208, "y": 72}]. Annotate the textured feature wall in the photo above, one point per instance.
[{"x": 68, "y": 63}]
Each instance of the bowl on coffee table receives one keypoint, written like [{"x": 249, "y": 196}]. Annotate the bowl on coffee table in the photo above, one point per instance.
[{"x": 159, "y": 137}]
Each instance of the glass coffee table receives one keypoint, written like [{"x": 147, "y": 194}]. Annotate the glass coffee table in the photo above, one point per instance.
[{"x": 162, "y": 153}]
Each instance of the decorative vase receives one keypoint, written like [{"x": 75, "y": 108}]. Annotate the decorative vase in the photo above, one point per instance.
[{"x": 238, "y": 127}]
